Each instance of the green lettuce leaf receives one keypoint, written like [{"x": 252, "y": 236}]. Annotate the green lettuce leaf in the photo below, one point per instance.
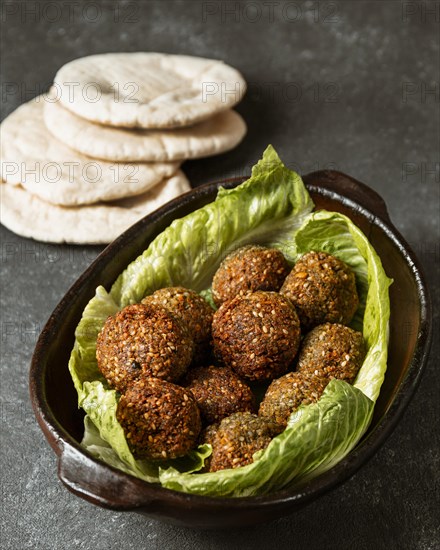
[
  {"x": 108, "y": 443},
  {"x": 338, "y": 235},
  {"x": 317, "y": 437},
  {"x": 82, "y": 364},
  {"x": 100, "y": 405},
  {"x": 267, "y": 208},
  {"x": 271, "y": 208}
]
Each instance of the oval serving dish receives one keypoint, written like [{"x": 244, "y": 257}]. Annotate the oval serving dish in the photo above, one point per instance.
[{"x": 55, "y": 401}]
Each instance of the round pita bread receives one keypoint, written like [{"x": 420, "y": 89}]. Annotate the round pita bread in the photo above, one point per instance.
[
  {"x": 148, "y": 90},
  {"x": 210, "y": 137},
  {"x": 29, "y": 216},
  {"x": 33, "y": 158}
]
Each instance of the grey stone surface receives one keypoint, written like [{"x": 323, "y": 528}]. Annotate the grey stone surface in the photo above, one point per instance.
[{"x": 351, "y": 85}]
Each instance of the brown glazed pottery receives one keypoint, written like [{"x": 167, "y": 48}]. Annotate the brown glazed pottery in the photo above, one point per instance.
[{"x": 55, "y": 401}]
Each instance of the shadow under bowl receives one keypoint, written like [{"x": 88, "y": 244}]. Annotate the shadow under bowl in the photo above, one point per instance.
[{"x": 55, "y": 401}]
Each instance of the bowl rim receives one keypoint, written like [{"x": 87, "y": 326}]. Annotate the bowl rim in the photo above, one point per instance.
[{"x": 67, "y": 448}]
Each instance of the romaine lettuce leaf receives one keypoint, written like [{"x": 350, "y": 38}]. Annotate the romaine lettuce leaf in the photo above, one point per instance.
[
  {"x": 82, "y": 365},
  {"x": 109, "y": 443},
  {"x": 271, "y": 208},
  {"x": 268, "y": 207},
  {"x": 338, "y": 235},
  {"x": 317, "y": 437}
]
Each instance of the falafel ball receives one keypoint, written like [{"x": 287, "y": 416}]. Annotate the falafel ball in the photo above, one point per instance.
[
  {"x": 237, "y": 439},
  {"x": 218, "y": 392},
  {"x": 143, "y": 339},
  {"x": 287, "y": 393},
  {"x": 249, "y": 269},
  {"x": 323, "y": 289},
  {"x": 257, "y": 335},
  {"x": 161, "y": 420},
  {"x": 333, "y": 351},
  {"x": 191, "y": 308}
]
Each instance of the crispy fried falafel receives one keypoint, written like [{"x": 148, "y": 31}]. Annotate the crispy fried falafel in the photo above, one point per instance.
[
  {"x": 287, "y": 393},
  {"x": 257, "y": 335},
  {"x": 161, "y": 420},
  {"x": 218, "y": 392},
  {"x": 143, "y": 339},
  {"x": 191, "y": 309},
  {"x": 323, "y": 289},
  {"x": 249, "y": 268},
  {"x": 237, "y": 438},
  {"x": 333, "y": 351}
]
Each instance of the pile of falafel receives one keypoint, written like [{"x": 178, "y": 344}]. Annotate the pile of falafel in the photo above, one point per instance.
[{"x": 187, "y": 374}]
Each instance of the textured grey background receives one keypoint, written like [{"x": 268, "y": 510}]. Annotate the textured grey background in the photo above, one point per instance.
[{"x": 351, "y": 85}]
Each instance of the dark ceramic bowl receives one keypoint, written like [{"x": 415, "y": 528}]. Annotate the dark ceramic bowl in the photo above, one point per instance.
[{"x": 55, "y": 401}]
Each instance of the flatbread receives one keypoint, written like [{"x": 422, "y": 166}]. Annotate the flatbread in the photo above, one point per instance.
[
  {"x": 29, "y": 216},
  {"x": 33, "y": 158},
  {"x": 148, "y": 90},
  {"x": 210, "y": 137}
]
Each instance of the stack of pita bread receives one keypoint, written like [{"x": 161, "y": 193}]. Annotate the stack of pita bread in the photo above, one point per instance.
[{"x": 103, "y": 148}]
